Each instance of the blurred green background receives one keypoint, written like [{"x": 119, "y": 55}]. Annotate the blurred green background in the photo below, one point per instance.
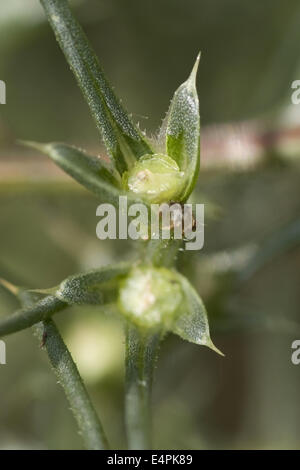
[{"x": 248, "y": 271}]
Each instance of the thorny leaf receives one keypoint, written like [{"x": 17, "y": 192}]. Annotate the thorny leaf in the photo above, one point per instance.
[
  {"x": 183, "y": 130},
  {"x": 122, "y": 139}
]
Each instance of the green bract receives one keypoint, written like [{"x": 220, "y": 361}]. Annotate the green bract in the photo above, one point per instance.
[{"x": 149, "y": 297}]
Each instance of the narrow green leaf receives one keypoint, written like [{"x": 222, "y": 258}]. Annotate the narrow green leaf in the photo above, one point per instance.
[
  {"x": 192, "y": 322},
  {"x": 26, "y": 317},
  {"x": 140, "y": 358},
  {"x": 123, "y": 141},
  {"x": 98, "y": 286},
  {"x": 183, "y": 130},
  {"x": 93, "y": 173}
]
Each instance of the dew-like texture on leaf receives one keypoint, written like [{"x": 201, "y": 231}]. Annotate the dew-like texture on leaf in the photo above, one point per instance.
[
  {"x": 183, "y": 131},
  {"x": 192, "y": 322},
  {"x": 149, "y": 297},
  {"x": 123, "y": 141}
]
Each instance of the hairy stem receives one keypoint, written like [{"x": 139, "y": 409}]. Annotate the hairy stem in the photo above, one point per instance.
[
  {"x": 141, "y": 354},
  {"x": 68, "y": 376},
  {"x": 280, "y": 242}
]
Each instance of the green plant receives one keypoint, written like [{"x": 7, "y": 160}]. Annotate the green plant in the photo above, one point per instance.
[{"x": 151, "y": 296}]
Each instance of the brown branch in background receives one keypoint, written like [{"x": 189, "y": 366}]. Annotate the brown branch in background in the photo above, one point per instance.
[
  {"x": 238, "y": 146},
  {"x": 245, "y": 145}
]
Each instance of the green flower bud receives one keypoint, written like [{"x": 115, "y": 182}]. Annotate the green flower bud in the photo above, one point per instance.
[
  {"x": 156, "y": 178},
  {"x": 150, "y": 297}
]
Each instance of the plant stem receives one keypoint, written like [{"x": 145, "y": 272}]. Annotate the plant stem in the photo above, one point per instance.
[
  {"x": 162, "y": 252},
  {"x": 68, "y": 376},
  {"x": 141, "y": 354}
]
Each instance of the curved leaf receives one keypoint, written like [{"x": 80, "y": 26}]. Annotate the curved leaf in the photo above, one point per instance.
[
  {"x": 123, "y": 141},
  {"x": 192, "y": 322},
  {"x": 183, "y": 130},
  {"x": 26, "y": 317}
]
